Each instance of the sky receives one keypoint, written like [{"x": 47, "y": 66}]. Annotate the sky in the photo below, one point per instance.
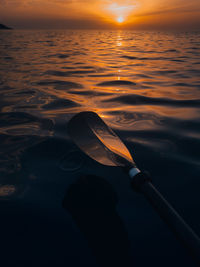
[{"x": 97, "y": 14}]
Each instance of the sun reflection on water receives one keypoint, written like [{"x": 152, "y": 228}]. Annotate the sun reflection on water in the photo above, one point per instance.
[{"x": 124, "y": 76}]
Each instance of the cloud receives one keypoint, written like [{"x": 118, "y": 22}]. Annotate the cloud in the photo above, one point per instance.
[{"x": 176, "y": 6}]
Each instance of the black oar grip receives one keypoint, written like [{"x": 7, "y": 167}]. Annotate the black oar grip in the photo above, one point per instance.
[{"x": 139, "y": 179}]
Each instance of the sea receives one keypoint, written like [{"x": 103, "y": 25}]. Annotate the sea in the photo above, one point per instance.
[{"x": 58, "y": 207}]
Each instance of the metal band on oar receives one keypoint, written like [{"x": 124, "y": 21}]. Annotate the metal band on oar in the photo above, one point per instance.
[{"x": 94, "y": 137}]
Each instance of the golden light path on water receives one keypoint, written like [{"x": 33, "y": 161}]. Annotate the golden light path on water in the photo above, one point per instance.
[{"x": 144, "y": 85}]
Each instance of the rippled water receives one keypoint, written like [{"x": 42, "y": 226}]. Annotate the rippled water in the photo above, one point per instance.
[{"x": 146, "y": 86}]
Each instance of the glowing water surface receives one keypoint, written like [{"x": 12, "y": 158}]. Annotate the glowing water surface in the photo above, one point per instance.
[{"x": 145, "y": 85}]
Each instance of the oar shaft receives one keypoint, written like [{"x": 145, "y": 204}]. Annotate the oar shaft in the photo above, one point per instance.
[{"x": 178, "y": 226}]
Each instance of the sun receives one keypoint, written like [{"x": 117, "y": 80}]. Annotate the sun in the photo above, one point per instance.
[{"x": 120, "y": 19}]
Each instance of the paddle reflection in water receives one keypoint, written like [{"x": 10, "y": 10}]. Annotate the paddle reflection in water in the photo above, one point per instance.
[{"x": 92, "y": 202}]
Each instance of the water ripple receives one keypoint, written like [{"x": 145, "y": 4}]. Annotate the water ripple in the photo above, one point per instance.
[
  {"x": 145, "y": 85},
  {"x": 117, "y": 83},
  {"x": 60, "y": 103},
  {"x": 142, "y": 100},
  {"x": 68, "y": 73},
  {"x": 60, "y": 84}
]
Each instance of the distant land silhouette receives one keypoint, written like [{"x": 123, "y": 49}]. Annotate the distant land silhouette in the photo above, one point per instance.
[{"x": 4, "y": 27}]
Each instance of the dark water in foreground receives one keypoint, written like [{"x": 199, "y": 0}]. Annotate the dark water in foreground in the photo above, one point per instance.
[{"x": 146, "y": 86}]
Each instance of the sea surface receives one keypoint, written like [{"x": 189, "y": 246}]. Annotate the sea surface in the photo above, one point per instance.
[{"x": 146, "y": 86}]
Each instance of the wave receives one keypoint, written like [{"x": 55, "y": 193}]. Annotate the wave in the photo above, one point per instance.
[
  {"x": 117, "y": 83},
  {"x": 60, "y": 84},
  {"x": 143, "y": 100},
  {"x": 60, "y": 103},
  {"x": 68, "y": 73}
]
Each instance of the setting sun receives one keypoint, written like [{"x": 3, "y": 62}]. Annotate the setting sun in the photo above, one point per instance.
[
  {"x": 120, "y": 11},
  {"x": 120, "y": 19}
]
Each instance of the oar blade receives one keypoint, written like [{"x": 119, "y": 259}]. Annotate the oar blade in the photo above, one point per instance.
[{"x": 90, "y": 133}]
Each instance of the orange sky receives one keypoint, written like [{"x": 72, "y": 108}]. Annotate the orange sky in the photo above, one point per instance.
[{"x": 138, "y": 14}]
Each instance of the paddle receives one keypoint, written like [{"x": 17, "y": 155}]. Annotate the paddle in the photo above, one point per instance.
[{"x": 91, "y": 134}]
